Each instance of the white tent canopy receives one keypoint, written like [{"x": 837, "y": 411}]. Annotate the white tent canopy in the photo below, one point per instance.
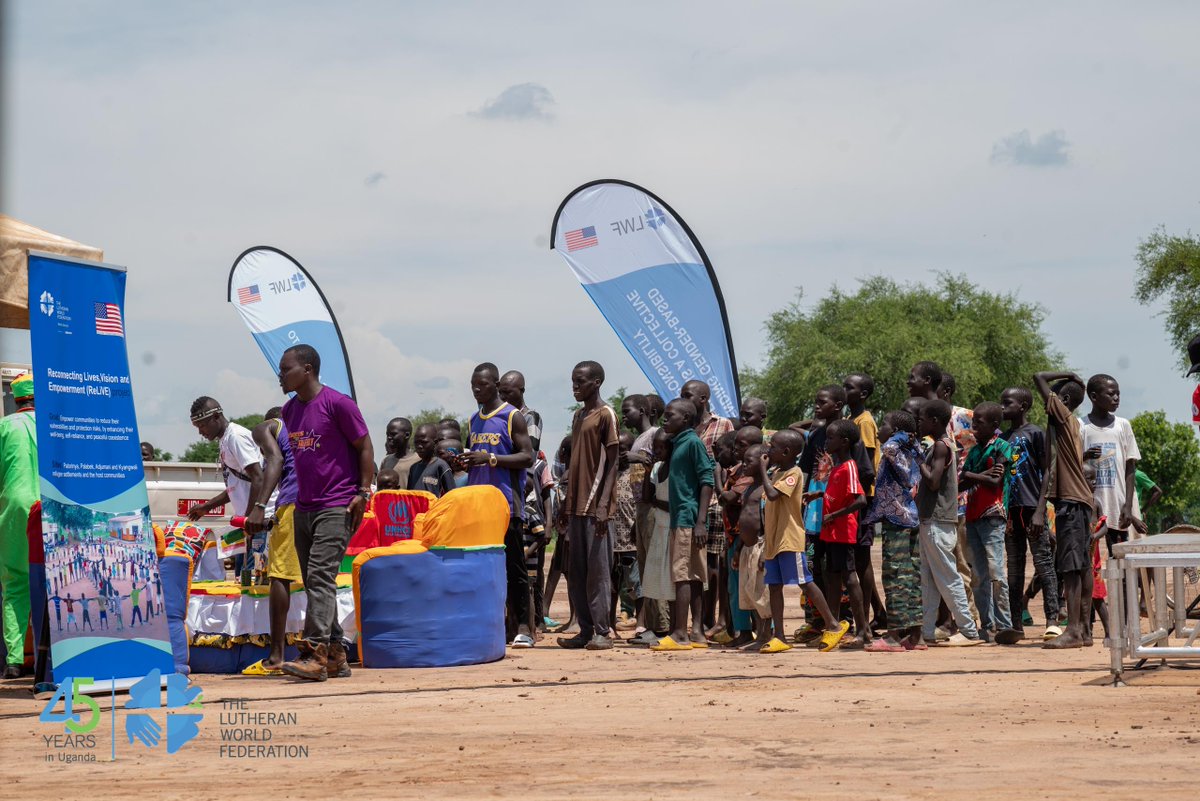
[{"x": 16, "y": 238}]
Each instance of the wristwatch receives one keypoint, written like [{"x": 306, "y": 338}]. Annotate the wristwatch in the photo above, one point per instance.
[
  {"x": 364, "y": 494},
  {"x": 491, "y": 460}
]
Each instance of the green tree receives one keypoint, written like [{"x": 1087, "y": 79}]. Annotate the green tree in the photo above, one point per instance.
[
  {"x": 433, "y": 416},
  {"x": 209, "y": 452},
  {"x": 1169, "y": 268},
  {"x": 988, "y": 341},
  {"x": 1170, "y": 456},
  {"x": 163, "y": 456}
]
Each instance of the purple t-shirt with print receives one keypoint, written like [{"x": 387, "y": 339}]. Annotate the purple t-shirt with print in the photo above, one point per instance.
[{"x": 321, "y": 432}]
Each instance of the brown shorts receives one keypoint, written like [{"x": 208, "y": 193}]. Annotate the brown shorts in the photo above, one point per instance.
[
  {"x": 643, "y": 530},
  {"x": 688, "y": 562}
]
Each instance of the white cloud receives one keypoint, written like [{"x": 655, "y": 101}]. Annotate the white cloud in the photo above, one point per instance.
[
  {"x": 524, "y": 101},
  {"x": 1048, "y": 150}
]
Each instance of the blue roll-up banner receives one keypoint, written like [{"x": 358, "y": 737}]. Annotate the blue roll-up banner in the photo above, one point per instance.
[
  {"x": 283, "y": 306},
  {"x": 647, "y": 273},
  {"x": 101, "y": 565}
]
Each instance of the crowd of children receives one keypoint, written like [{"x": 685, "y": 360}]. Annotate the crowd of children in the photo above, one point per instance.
[{"x": 714, "y": 520}]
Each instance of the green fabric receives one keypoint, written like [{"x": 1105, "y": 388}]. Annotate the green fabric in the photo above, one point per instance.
[
  {"x": 18, "y": 492},
  {"x": 691, "y": 468},
  {"x": 999, "y": 451},
  {"x": 902, "y": 576},
  {"x": 22, "y": 386},
  {"x": 1142, "y": 484}
]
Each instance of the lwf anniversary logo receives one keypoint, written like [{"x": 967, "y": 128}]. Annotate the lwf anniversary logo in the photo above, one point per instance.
[
  {"x": 245, "y": 733},
  {"x": 80, "y": 717}
]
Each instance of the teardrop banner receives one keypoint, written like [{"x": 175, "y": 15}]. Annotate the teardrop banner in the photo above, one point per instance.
[
  {"x": 651, "y": 279},
  {"x": 283, "y": 306}
]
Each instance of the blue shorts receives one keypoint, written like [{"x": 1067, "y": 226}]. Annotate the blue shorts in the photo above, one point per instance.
[{"x": 788, "y": 567}]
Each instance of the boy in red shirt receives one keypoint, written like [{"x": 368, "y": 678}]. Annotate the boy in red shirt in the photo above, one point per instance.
[{"x": 843, "y": 498}]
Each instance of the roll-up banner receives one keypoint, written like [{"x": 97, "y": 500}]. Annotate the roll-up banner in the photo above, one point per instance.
[
  {"x": 647, "y": 273},
  {"x": 102, "y": 577},
  {"x": 283, "y": 306}
]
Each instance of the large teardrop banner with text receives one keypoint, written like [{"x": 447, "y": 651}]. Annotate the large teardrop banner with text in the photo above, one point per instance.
[
  {"x": 283, "y": 306},
  {"x": 102, "y": 579},
  {"x": 650, "y": 278}
]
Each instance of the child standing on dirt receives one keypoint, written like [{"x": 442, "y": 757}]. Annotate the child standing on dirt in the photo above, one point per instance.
[
  {"x": 1028, "y": 472},
  {"x": 691, "y": 488},
  {"x": 1109, "y": 440},
  {"x": 985, "y": 476},
  {"x": 1073, "y": 501},
  {"x": 859, "y": 389},
  {"x": 785, "y": 560},
  {"x": 738, "y": 476},
  {"x": 1099, "y": 528},
  {"x": 842, "y": 499},
  {"x": 937, "y": 506},
  {"x": 626, "y": 578},
  {"x": 752, "y": 590},
  {"x": 895, "y": 510},
  {"x": 814, "y": 468},
  {"x": 656, "y": 580}
]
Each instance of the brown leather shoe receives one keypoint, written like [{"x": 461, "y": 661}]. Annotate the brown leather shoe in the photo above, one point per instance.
[
  {"x": 311, "y": 666},
  {"x": 337, "y": 666}
]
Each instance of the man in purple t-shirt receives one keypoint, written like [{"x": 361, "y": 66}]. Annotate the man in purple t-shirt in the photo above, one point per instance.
[{"x": 335, "y": 465}]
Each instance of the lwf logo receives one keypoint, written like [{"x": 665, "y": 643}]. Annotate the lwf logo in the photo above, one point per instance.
[
  {"x": 293, "y": 283},
  {"x": 653, "y": 219},
  {"x": 81, "y": 715}
]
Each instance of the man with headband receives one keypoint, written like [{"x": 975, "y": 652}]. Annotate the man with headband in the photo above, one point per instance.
[
  {"x": 241, "y": 465},
  {"x": 18, "y": 492}
]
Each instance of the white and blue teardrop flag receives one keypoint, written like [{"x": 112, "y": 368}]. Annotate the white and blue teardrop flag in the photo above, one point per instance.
[
  {"x": 282, "y": 306},
  {"x": 652, "y": 281}
]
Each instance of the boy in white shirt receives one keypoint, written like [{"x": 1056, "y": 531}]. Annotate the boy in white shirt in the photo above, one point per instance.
[{"x": 1109, "y": 441}]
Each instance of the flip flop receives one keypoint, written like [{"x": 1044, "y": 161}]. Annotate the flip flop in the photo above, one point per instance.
[
  {"x": 646, "y": 638},
  {"x": 830, "y": 639},
  {"x": 882, "y": 646},
  {"x": 257, "y": 669},
  {"x": 1009, "y": 637},
  {"x": 723, "y": 638},
  {"x": 667, "y": 644},
  {"x": 775, "y": 646},
  {"x": 702, "y": 644}
]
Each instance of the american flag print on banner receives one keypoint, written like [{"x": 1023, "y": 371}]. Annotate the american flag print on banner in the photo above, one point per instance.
[
  {"x": 248, "y": 294},
  {"x": 583, "y": 238},
  {"x": 108, "y": 320}
]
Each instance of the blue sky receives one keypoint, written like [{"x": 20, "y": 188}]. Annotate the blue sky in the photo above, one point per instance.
[{"x": 411, "y": 156}]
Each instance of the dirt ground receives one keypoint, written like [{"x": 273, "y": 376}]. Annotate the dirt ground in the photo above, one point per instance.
[{"x": 981, "y": 723}]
